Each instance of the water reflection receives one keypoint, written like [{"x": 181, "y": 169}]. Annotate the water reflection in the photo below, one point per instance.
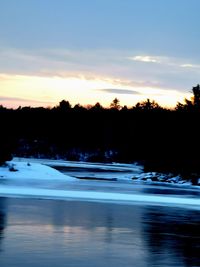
[
  {"x": 174, "y": 234},
  {"x": 2, "y": 220},
  {"x": 80, "y": 234},
  {"x": 168, "y": 189}
]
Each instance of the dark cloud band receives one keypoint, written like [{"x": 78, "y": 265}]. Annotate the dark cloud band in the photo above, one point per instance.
[{"x": 119, "y": 91}]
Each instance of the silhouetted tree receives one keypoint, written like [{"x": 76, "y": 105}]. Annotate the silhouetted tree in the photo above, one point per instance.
[
  {"x": 193, "y": 103},
  {"x": 79, "y": 107},
  {"x": 97, "y": 107},
  {"x": 2, "y": 107},
  {"x": 196, "y": 96},
  {"x": 64, "y": 105},
  {"x": 115, "y": 104},
  {"x": 124, "y": 108},
  {"x": 147, "y": 105}
]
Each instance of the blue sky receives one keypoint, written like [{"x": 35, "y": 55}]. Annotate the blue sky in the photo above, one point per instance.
[{"x": 148, "y": 46}]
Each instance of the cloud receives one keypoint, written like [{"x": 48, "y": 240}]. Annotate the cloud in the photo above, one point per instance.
[
  {"x": 190, "y": 66},
  {"x": 120, "y": 91},
  {"x": 128, "y": 69},
  {"x": 186, "y": 66},
  {"x": 24, "y": 101},
  {"x": 166, "y": 65},
  {"x": 148, "y": 59}
]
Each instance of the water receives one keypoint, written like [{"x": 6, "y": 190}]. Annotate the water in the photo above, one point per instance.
[
  {"x": 49, "y": 233},
  {"x": 45, "y": 233}
]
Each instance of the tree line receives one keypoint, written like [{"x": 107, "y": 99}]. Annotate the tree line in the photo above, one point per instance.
[{"x": 163, "y": 139}]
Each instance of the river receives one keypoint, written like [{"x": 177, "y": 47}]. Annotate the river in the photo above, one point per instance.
[
  {"x": 55, "y": 230},
  {"x": 49, "y": 233}
]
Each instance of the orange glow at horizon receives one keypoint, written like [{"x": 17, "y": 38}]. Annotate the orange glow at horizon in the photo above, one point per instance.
[{"x": 24, "y": 90}]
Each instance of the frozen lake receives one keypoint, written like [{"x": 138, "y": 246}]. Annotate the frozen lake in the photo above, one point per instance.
[{"x": 49, "y": 233}]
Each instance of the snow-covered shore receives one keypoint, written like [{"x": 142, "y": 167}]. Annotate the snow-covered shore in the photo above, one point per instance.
[
  {"x": 29, "y": 179},
  {"x": 25, "y": 170},
  {"x": 111, "y": 172}
]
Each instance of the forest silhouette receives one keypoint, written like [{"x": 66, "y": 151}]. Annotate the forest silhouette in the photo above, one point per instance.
[{"x": 165, "y": 140}]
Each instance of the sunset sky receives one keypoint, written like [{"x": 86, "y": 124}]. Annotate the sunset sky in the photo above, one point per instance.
[{"x": 86, "y": 51}]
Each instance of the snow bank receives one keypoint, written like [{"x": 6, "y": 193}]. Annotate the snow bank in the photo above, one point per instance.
[
  {"x": 111, "y": 172},
  {"x": 26, "y": 170},
  {"x": 153, "y": 177}
]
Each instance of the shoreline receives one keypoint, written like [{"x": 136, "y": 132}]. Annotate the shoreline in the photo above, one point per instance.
[{"x": 38, "y": 181}]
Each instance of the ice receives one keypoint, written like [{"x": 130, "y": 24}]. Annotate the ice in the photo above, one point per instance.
[
  {"x": 100, "y": 196},
  {"x": 88, "y": 165}
]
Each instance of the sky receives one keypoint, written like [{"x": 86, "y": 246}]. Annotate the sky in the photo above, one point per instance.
[{"x": 88, "y": 51}]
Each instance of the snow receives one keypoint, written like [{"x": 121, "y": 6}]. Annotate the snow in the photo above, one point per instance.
[
  {"x": 33, "y": 179},
  {"x": 159, "y": 178},
  {"x": 26, "y": 170},
  {"x": 88, "y": 170},
  {"x": 109, "y": 171}
]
